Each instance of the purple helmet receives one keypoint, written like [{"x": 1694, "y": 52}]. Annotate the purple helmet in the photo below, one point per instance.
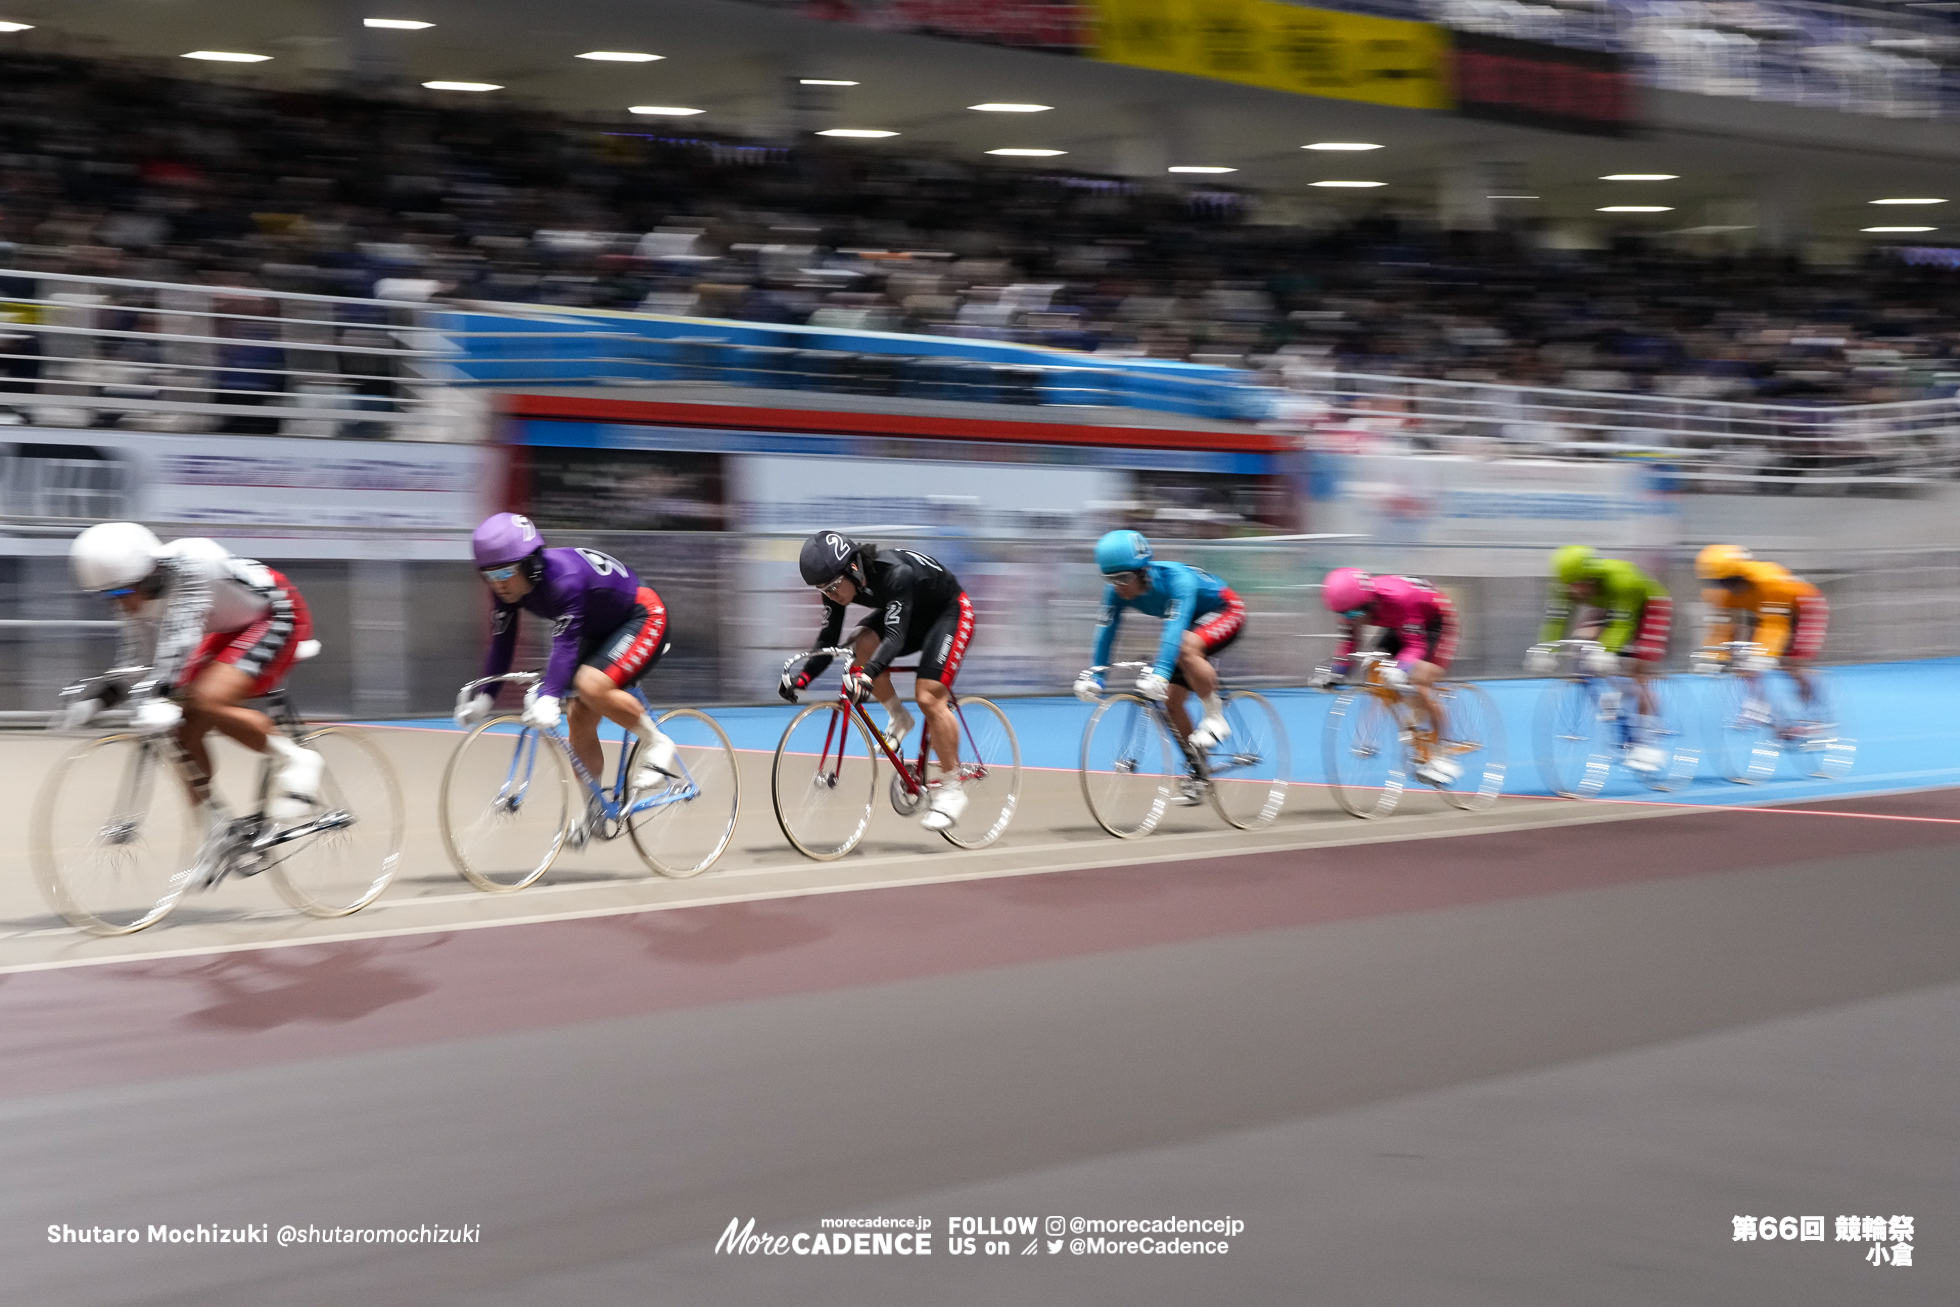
[{"x": 505, "y": 538}]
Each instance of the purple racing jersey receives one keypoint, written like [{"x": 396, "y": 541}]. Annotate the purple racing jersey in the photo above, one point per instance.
[{"x": 586, "y": 594}]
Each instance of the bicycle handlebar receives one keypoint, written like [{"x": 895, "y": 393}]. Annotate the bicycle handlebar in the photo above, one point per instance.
[
  {"x": 476, "y": 687},
  {"x": 834, "y": 651}
]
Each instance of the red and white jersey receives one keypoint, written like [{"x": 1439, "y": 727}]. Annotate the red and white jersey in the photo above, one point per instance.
[{"x": 206, "y": 590}]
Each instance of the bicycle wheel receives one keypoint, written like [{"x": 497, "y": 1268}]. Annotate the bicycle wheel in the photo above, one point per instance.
[
  {"x": 506, "y": 805},
  {"x": 990, "y": 772},
  {"x": 115, "y": 835},
  {"x": 1670, "y": 736},
  {"x": 682, "y": 827},
  {"x": 1473, "y": 736},
  {"x": 355, "y": 846},
  {"x": 1743, "y": 735},
  {"x": 1577, "y": 748},
  {"x": 1366, "y": 759},
  {"x": 822, "y": 793},
  {"x": 1826, "y": 748},
  {"x": 1129, "y": 763},
  {"x": 1250, "y": 767}
]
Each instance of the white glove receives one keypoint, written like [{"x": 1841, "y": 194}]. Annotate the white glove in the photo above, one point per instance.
[
  {"x": 1089, "y": 687},
  {"x": 1540, "y": 660},
  {"x": 1322, "y": 678},
  {"x": 1394, "y": 677},
  {"x": 1756, "y": 662},
  {"x": 474, "y": 708},
  {"x": 1707, "y": 662},
  {"x": 1600, "y": 662},
  {"x": 158, "y": 716},
  {"x": 857, "y": 685},
  {"x": 78, "y": 713},
  {"x": 1153, "y": 687},
  {"x": 541, "y": 711}
]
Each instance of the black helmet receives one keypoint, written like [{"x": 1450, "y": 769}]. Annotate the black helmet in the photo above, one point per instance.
[{"x": 826, "y": 556}]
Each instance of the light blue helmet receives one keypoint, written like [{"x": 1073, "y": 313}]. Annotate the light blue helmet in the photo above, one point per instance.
[{"x": 1122, "y": 551}]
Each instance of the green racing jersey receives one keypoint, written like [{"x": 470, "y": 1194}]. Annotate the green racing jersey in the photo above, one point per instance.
[{"x": 1619, "y": 588}]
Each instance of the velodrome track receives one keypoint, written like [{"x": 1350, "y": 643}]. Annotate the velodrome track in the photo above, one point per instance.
[{"x": 1542, "y": 1054}]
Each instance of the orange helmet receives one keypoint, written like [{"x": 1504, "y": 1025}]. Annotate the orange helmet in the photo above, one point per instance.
[{"x": 1720, "y": 562}]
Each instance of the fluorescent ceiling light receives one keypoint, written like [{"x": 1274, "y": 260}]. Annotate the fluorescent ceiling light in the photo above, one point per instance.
[
  {"x": 1640, "y": 177},
  {"x": 16, "y": 27},
  {"x": 864, "y": 133},
  {"x": 1638, "y": 208},
  {"x": 1028, "y": 154},
  {"x": 1510, "y": 197},
  {"x": 1925, "y": 201},
  {"x": 463, "y": 86},
  {"x": 823, "y": 81},
  {"x": 1011, "y": 108},
  {"x": 665, "y": 110},
  {"x": 1340, "y": 145},
  {"x": 228, "y": 57},
  {"x": 621, "y": 56},
  {"x": 1191, "y": 167},
  {"x": 397, "y": 24},
  {"x": 1351, "y": 185},
  {"x": 1898, "y": 229}
]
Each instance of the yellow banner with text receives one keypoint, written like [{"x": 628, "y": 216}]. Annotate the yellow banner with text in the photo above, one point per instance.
[{"x": 1281, "y": 47}]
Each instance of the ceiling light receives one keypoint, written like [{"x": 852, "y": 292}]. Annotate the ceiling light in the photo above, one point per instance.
[
  {"x": 463, "y": 86},
  {"x": 1638, "y": 208},
  {"x": 823, "y": 81},
  {"x": 665, "y": 110},
  {"x": 1340, "y": 145},
  {"x": 1191, "y": 167},
  {"x": 228, "y": 57},
  {"x": 863, "y": 133},
  {"x": 1011, "y": 108},
  {"x": 621, "y": 56},
  {"x": 1909, "y": 201},
  {"x": 1640, "y": 177},
  {"x": 16, "y": 27},
  {"x": 1028, "y": 154},
  {"x": 1352, "y": 185},
  {"x": 1510, "y": 197},
  {"x": 396, "y": 24},
  {"x": 1898, "y": 229}
]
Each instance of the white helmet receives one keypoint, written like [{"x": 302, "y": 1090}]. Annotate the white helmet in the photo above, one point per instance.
[{"x": 112, "y": 555}]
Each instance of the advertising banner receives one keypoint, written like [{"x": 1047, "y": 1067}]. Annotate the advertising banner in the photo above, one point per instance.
[
  {"x": 1534, "y": 84},
  {"x": 1440, "y": 500},
  {"x": 1281, "y": 47}
]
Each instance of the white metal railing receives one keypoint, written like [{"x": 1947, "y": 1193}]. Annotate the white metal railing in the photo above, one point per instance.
[{"x": 1706, "y": 445}]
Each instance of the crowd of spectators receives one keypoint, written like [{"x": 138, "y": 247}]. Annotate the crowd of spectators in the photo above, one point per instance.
[{"x": 117, "y": 170}]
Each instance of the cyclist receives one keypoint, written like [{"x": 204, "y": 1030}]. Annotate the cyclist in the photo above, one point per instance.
[
  {"x": 1629, "y": 613},
  {"x": 1754, "y": 600},
  {"x": 607, "y": 631},
  {"x": 1419, "y": 631},
  {"x": 214, "y": 631},
  {"x": 1202, "y": 617},
  {"x": 917, "y": 607}
]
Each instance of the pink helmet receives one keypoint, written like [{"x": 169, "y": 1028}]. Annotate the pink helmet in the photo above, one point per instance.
[
  {"x": 1346, "y": 589},
  {"x": 1393, "y": 589}
]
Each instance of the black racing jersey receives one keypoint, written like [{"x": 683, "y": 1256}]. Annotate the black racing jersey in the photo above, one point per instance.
[{"x": 908, "y": 590}]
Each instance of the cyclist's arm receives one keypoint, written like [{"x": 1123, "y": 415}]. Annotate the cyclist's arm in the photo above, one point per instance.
[
  {"x": 566, "y": 633},
  {"x": 182, "y": 626},
  {"x": 1721, "y": 616},
  {"x": 1621, "y": 615},
  {"x": 1112, "y": 617},
  {"x": 1558, "y": 614},
  {"x": 1350, "y": 638},
  {"x": 900, "y": 605},
  {"x": 1773, "y": 627},
  {"x": 1183, "y": 610},
  {"x": 503, "y": 639},
  {"x": 833, "y": 630}
]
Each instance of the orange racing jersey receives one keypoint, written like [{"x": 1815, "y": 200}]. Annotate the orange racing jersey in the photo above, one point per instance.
[{"x": 1769, "y": 596}]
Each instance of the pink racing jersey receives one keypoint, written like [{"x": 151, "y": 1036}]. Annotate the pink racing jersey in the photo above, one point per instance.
[{"x": 1418, "y": 622}]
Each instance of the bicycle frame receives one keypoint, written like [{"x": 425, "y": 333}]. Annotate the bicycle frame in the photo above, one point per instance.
[
  {"x": 837, "y": 734},
  {"x": 523, "y": 760}
]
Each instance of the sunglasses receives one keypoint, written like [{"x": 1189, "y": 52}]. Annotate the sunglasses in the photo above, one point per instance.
[
  {"x": 498, "y": 573},
  {"x": 830, "y": 591},
  {"x": 120, "y": 592}
]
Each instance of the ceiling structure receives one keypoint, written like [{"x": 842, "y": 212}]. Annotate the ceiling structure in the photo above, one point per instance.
[{"x": 1735, "y": 165}]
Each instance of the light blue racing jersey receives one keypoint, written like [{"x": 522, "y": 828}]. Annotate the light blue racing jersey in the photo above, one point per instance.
[{"x": 1178, "y": 593}]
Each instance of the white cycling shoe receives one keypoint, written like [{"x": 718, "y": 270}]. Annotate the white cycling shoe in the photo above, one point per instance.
[
  {"x": 658, "y": 761},
  {"x": 1646, "y": 758},
  {"x": 1212, "y": 730},
  {"x": 296, "y": 785},
  {"x": 1439, "y": 771},
  {"x": 944, "y": 807}
]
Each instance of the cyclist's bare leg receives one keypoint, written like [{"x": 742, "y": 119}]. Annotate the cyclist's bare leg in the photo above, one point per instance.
[
  {"x": 1196, "y": 667},
  {"x": 1177, "y": 713},
  {"x": 942, "y": 728},
  {"x": 1423, "y": 678},
  {"x": 597, "y": 697},
  {"x": 1800, "y": 672},
  {"x": 1643, "y": 685}
]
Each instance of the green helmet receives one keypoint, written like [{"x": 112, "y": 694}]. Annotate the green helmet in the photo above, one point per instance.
[{"x": 1573, "y": 564}]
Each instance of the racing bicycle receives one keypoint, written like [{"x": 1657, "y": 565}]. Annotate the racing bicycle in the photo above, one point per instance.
[
  {"x": 514, "y": 796},
  {"x": 1377, "y": 735},
  {"x": 1587, "y": 726},
  {"x": 118, "y": 839},
  {"x": 824, "y": 796},
  {"x": 1756, "y": 720},
  {"x": 1134, "y": 765}
]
